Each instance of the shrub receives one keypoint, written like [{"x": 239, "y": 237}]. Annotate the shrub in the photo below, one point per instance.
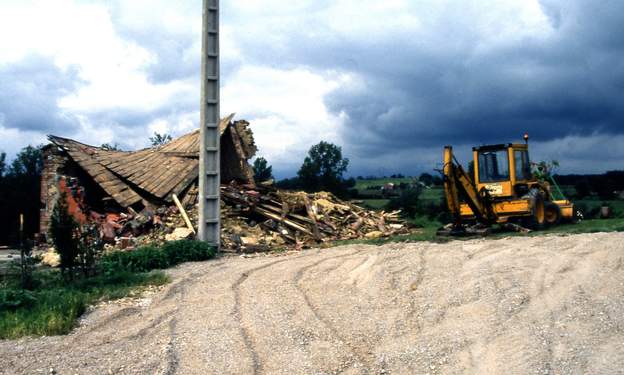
[
  {"x": 63, "y": 230},
  {"x": 143, "y": 259},
  {"x": 437, "y": 211},
  {"x": 11, "y": 299},
  {"x": 187, "y": 251},
  {"x": 407, "y": 202},
  {"x": 148, "y": 258}
]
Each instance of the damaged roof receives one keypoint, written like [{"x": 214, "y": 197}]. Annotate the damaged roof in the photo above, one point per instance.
[{"x": 159, "y": 172}]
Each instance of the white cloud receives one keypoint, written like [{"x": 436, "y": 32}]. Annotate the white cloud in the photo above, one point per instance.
[
  {"x": 12, "y": 140},
  {"x": 286, "y": 108},
  {"x": 86, "y": 38}
]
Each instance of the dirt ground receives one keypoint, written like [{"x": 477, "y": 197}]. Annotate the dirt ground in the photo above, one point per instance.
[{"x": 534, "y": 305}]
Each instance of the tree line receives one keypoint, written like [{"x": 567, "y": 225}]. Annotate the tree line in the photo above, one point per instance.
[
  {"x": 322, "y": 169},
  {"x": 19, "y": 193},
  {"x": 605, "y": 186}
]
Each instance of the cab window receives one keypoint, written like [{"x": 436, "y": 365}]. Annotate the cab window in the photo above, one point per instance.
[
  {"x": 493, "y": 166},
  {"x": 522, "y": 165}
]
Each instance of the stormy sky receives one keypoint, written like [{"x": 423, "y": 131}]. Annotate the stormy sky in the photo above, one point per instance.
[{"x": 390, "y": 81}]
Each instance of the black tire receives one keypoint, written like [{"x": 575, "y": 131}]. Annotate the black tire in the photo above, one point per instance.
[
  {"x": 552, "y": 213},
  {"x": 537, "y": 220}
]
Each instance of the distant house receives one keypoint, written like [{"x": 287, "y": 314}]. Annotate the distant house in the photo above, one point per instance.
[{"x": 387, "y": 188}]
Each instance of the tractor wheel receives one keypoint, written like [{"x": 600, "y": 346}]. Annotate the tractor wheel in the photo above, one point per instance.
[
  {"x": 537, "y": 219},
  {"x": 552, "y": 213}
]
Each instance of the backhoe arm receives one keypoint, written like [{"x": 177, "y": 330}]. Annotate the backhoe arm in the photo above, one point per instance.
[{"x": 458, "y": 184}]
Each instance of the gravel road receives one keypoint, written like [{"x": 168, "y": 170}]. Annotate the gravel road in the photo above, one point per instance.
[{"x": 524, "y": 305}]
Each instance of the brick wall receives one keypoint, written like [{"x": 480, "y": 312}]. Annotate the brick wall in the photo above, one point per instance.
[{"x": 53, "y": 162}]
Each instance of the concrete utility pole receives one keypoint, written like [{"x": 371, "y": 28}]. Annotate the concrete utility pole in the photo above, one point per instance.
[{"x": 209, "y": 180}]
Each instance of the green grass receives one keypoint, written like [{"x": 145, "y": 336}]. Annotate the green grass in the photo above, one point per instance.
[
  {"x": 147, "y": 258},
  {"x": 429, "y": 228},
  {"x": 364, "y": 184},
  {"x": 431, "y": 195},
  {"x": 587, "y": 226},
  {"x": 375, "y": 204},
  {"x": 54, "y": 307}
]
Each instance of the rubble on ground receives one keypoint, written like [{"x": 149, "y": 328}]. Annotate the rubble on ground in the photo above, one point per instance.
[
  {"x": 51, "y": 258},
  {"x": 135, "y": 198},
  {"x": 261, "y": 219}
]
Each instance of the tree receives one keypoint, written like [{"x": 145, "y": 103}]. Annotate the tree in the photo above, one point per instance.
[
  {"x": 26, "y": 264},
  {"x": 19, "y": 194},
  {"x": 582, "y": 188},
  {"x": 293, "y": 183},
  {"x": 110, "y": 147},
  {"x": 2, "y": 163},
  {"x": 323, "y": 168},
  {"x": 28, "y": 162},
  {"x": 437, "y": 181},
  {"x": 160, "y": 139},
  {"x": 63, "y": 231},
  {"x": 426, "y": 179},
  {"x": 406, "y": 201},
  {"x": 262, "y": 170}
]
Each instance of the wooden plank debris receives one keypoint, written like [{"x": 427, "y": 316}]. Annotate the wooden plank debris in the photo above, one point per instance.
[{"x": 187, "y": 221}]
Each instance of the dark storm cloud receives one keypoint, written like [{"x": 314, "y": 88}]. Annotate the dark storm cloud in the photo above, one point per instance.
[
  {"x": 29, "y": 92},
  {"x": 449, "y": 90}
]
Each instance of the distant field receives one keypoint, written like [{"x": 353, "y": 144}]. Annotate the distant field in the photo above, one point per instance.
[
  {"x": 375, "y": 204},
  {"x": 375, "y": 201},
  {"x": 432, "y": 195},
  {"x": 364, "y": 184}
]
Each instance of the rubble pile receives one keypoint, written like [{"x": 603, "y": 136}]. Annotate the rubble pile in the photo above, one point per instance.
[
  {"x": 262, "y": 218},
  {"x": 258, "y": 219}
]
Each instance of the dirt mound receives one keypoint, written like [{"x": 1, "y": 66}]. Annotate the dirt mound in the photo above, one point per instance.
[{"x": 529, "y": 305}]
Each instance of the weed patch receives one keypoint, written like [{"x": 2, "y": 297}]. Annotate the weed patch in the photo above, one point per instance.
[
  {"x": 148, "y": 258},
  {"x": 54, "y": 307},
  {"x": 54, "y": 304}
]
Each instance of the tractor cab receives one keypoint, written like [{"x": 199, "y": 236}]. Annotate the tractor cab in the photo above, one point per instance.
[{"x": 503, "y": 170}]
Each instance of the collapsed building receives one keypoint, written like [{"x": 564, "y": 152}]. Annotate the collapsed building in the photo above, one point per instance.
[
  {"x": 130, "y": 195},
  {"x": 103, "y": 179}
]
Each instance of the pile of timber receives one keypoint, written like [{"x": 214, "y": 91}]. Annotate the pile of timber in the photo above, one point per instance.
[{"x": 261, "y": 218}]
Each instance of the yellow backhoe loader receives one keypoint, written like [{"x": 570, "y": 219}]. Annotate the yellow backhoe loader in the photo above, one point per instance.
[{"x": 502, "y": 190}]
